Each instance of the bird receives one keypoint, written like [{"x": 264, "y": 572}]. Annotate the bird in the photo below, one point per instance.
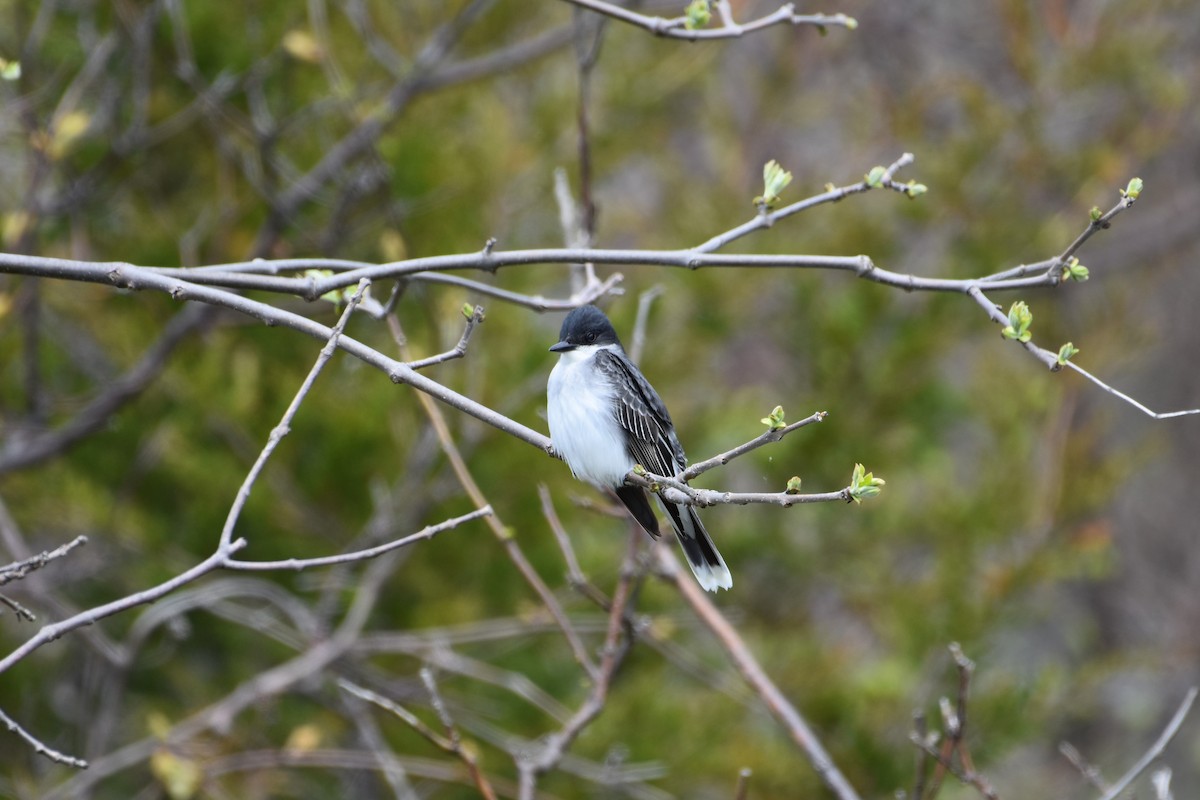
[{"x": 605, "y": 418}]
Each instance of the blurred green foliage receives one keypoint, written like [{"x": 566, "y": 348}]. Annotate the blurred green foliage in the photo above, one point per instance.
[{"x": 996, "y": 485}]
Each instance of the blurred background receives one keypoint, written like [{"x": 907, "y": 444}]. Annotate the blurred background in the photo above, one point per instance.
[{"x": 1044, "y": 525}]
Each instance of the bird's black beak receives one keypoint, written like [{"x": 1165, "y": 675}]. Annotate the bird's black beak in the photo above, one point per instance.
[{"x": 561, "y": 347}]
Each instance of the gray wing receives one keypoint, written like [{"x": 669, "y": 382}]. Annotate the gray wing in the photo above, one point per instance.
[{"x": 642, "y": 414}]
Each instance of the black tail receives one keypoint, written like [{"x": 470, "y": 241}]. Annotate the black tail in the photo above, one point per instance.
[
  {"x": 702, "y": 556},
  {"x": 634, "y": 498}
]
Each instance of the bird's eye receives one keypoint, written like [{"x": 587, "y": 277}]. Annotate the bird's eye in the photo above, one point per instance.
[{"x": 589, "y": 337}]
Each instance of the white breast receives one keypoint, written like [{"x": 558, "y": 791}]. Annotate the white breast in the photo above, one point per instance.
[{"x": 583, "y": 427}]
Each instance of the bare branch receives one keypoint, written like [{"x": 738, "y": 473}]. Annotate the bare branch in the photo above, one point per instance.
[
  {"x": 968, "y": 778},
  {"x": 451, "y": 744},
  {"x": 1156, "y": 749},
  {"x": 1128, "y": 399},
  {"x": 298, "y": 564},
  {"x": 579, "y": 582},
  {"x": 38, "y": 746},
  {"x": 459, "y": 350},
  {"x": 770, "y": 436},
  {"x": 1089, "y": 771},
  {"x": 741, "y": 792},
  {"x": 638, "y": 340},
  {"x": 19, "y": 569},
  {"x": 675, "y": 28},
  {"x": 554, "y": 746},
  {"x": 284, "y": 427}
]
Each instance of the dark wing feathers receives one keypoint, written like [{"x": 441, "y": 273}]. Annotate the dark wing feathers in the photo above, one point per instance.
[{"x": 641, "y": 412}]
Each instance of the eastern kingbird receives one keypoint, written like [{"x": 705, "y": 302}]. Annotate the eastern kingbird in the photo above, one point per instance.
[{"x": 605, "y": 417}]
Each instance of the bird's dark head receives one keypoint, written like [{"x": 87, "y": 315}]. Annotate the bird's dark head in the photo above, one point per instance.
[{"x": 585, "y": 326}]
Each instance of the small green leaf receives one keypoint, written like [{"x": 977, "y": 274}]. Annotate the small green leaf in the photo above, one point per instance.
[
  {"x": 864, "y": 484},
  {"x": 1096, "y": 213},
  {"x": 914, "y": 189},
  {"x": 1133, "y": 190},
  {"x": 1074, "y": 270},
  {"x": 793, "y": 485},
  {"x": 874, "y": 178},
  {"x": 9, "y": 70},
  {"x": 775, "y": 180},
  {"x": 697, "y": 15},
  {"x": 468, "y": 310},
  {"x": 1065, "y": 352},
  {"x": 1019, "y": 320},
  {"x": 775, "y": 419},
  {"x": 850, "y": 22}
]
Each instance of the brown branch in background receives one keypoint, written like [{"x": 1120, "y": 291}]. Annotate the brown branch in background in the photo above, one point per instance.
[
  {"x": 741, "y": 791},
  {"x": 452, "y": 735},
  {"x": 642, "y": 320},
  {"x": 579, "y": 582},
  {"x": 754, "y": 675},
  {"x": 25, "y": 450},
  {"x": 553, "y": 747},
  {"x": 922, "y": 766},
  {"x": 451, "y": 743},
  {"x": 503, "y": 535},
  {"x": 946, "y": 765},
  {"x": 953, "y": 740},
  {"x": 1089, "y": 771}
]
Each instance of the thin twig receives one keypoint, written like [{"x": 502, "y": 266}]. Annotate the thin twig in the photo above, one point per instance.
[
  {"x": 968, "y": 778},
  {"x": 453, "y": 737},
  {"x": 1155, "y": 750},
  {"x": 554, "y": 746},
  {"x": 298, "y": 564},
  {"x": 452, "y": 746},
  {"x": 1087, "y": 770},
  {"x": 920, "y": 731},
  {"x": 675, "y": 28},
  {"x": 38, "y": 746},
  {"x": 21, "y": 611},
  {"x": 459, "y": 350},
  {"x": 284, "y": 427},
  {"x": 19, "y": 569},
  {"x": 1128, "y": 399},
  {"x": 770, "y": 436},
  {"x": 638, "y": 340},
  {"x": 575, "y": 575},
  {"x": 742, "y": 790}
]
